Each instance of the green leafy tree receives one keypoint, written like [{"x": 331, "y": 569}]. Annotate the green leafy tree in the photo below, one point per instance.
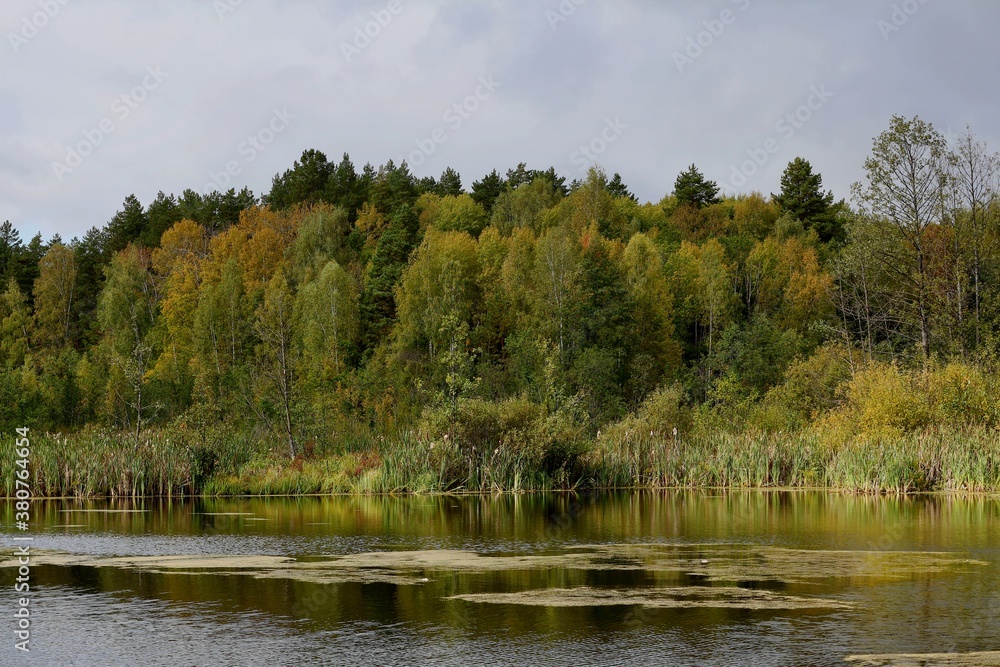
[
  {"x": 327, "y": 313},
  {"x": 975, "y": 174},
  {"x": 653, "y": 319},
  {"x": 525, "y": 206},
  {"x": 276, "y": 363},
  {"x": 222, "y": 337},
  {"x": 54, "y": 292},
  {"x": 558, "y": 182},
  {"x": 378, "y": 302},
  {"x": 322, "y": 236},
  {"x": 459, "y": 214},
  {"x": 905, "y": 183},
  {"x": 592, "y": 204},
  {"x": 126, "y": 311},
  {"x": 607, "y": 330},
  {"x": 439, "y": 283},
  {"x": 558, "y": 279},
  {"x": 15, "y": 326}
]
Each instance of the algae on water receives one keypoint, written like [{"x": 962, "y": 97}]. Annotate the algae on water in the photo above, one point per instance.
[
  {"x": 719, "y": 597},
  {"x": 977, "y": 659},
  {"x": 707, "y": 563}
]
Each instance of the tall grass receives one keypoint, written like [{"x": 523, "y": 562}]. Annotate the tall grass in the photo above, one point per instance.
[
  {"x": 99, "y": 462},
  {"x": 657, "y": 460},
  {"x": 233, "y": 462},
  {"x": 102, "y": 463},
  {"x": 941, "y": 460}
]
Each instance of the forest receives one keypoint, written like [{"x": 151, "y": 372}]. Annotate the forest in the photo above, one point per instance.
[{"x": 373, "y": 331}]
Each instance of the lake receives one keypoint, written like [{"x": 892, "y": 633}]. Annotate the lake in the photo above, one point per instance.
[{"x": 676, "y": 578}]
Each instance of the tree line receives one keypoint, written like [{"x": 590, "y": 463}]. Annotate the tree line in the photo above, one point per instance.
[{"x": 376, "y": 299}]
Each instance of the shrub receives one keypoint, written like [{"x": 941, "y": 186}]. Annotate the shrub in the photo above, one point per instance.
[
  {"x": 962, "y": 394},
  {"x": 517, "y": 427},
  {"x": 885, "y": 401},
  {"x": 810, "y": 388},
  {"x": 659, "y": 415}
]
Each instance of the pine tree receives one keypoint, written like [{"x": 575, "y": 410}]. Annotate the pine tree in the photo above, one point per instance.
[
  {"x": 692, "y": 189},
  {"x": 802, "y": 197}
]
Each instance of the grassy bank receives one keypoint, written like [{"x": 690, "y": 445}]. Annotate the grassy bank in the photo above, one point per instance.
[{"x": 161, "y": 463}]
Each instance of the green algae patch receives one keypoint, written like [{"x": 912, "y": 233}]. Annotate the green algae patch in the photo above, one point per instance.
[
  {"x": 978, "y": 659},
  {"x": 727, "y": 563},
  {"x": 102, "y": 511},
  {"x": 799, "y": 565},
  {"x": 722, "y": 597},
  {"x": 724, "y": 564},
  {"x": 157, "y": 563},
  {"x": 257, "y": 566}
]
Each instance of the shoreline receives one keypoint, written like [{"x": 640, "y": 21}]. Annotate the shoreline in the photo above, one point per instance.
[{"x": 947, "y": 493}]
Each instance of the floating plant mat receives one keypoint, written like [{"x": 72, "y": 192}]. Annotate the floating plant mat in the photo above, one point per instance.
[
  {"x": 710, "y": 563},
  {"x": 981, "y": 659},
  {"x": 102, "y": 511},
  {"x": 721, "y": 597}
]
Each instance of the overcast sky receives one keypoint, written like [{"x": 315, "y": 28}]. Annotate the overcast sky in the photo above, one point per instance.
[{"x": 103, "y": 98}]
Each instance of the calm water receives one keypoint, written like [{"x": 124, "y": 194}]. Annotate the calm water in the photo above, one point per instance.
[{"x": 88, "y": 615}]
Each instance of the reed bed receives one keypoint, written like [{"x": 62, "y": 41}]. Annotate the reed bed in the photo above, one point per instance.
[
  {"x": 105, "y": 463},
  {"x": 950, "y": 460},
  {"x": 228, "y": 462},
  {"x": 102, "y": 463}
]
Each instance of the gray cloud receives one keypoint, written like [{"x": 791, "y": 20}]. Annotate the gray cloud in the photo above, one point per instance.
[{"x": 560, "y": 80}]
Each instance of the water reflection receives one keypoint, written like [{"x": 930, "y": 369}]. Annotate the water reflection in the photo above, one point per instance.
[{"x": 236, "y": 618}]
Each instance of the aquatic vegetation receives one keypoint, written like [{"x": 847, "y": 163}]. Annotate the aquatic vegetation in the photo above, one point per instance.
[
  {"x": 689, "y": 597},
  {"x": 974, "y": 659},
  {"x": 102, "y": 463},
  {"x": 710, "y": 563}
]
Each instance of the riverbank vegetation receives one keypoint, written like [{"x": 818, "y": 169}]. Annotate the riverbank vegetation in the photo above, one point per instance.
[{"x": 373, "y": 332}]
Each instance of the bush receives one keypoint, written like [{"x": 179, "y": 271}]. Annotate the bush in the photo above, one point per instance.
[
  {"x": 810, "y": 388},
  {"x": 660, "y": 414},
  {"x": 517, "y": 427},
  {"x": 962, "y": 394},
  {"x": 884, "y": 400}
]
